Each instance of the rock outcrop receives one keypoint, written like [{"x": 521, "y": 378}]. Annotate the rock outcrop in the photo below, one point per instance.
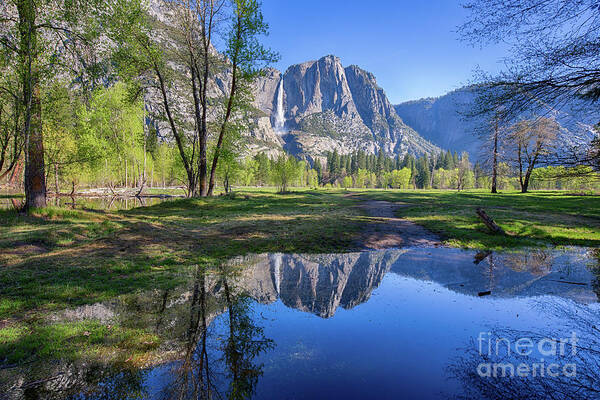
[{"x": 327, "y": 107}]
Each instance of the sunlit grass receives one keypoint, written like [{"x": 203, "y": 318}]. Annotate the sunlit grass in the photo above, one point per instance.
[{"x": 533, "y": 219}]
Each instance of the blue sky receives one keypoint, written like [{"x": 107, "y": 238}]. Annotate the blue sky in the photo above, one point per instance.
[{"x": 410, "y": 46}]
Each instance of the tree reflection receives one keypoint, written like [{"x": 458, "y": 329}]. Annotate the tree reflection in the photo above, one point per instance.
[
  {"x": 586, "y": 357},
  {"x": 538, "y": 262},
  {"x": 595, "y": 268},
  {"x": 245, "y": 342},
  {"x": 193, "y": 378},
  {"x": 216, "y": 367},
  {"x": 84, "y": 382}
]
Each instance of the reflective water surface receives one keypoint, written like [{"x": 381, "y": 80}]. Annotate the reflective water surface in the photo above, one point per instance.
[
  {"x": 90, "y": 203},
  {"x": 390, "y": 324}
]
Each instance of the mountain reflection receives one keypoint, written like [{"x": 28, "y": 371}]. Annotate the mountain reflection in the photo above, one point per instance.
[
  {"x": 321, "y": 284},
  {"x": 214, "y": 340}
]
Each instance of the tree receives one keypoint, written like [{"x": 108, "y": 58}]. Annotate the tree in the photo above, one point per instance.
[
  {"x": 284, "y": 171},
  {"x": 319, "y": 170},
  {"x": 263, "y": 169},
  {"x": 111, "y": 143},
  {"x": 464, "y": 173},
  {"x": 529, "y": 141},
  {"x": 555, "y": 60},
  {"x": 333, "y": 164},
  {"x": 380, "y": 166},
  {"x": 422, "y": 179},
  {"x": 247, "y": 57},
  {"x": 495, "y": 141},
  {"x": 399, "y": 179},
  {"x": 44, "y": 37},
  {"x": 11, "y": 139},
  {"x": 175, "y": 59},
  {"x": 231, "y": 147},
  {"x": 362, "y": 178},
  {"x": 60, "y": 141},
  {"x": 554, "y": 45},
  {"x": 347, "y": 182},
  {"x": 479, "y": 174}
]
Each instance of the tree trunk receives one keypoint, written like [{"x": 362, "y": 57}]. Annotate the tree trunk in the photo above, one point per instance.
[
  {"x": 35, "y": 176},
  {"x": 489, "y": 222},
  {"x": 520, "y": 161},
  {"x": 495, "y": 161},
  {"x": 178, "y": 139},
  {"x": 56, "y": 179},
  {"x": 531, "y": 167},
  {"x": 207, "y": 30},
  {"x": 525, "y": 187},
  {"x": 234, "y": 67},
  {"x": 199, "y": 102},
  {"x": 15, "y": 176}
]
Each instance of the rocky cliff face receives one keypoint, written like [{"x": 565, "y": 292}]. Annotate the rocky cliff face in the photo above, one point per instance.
[
  {"x": 318, "y": 284},
  {"x": 442, "y": 121},
  {"x": 320, "y": 106}
]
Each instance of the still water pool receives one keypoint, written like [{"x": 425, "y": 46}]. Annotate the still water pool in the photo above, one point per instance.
[
  {"x": 90, "y": 203},
  {"x": 394, "y": 324}
]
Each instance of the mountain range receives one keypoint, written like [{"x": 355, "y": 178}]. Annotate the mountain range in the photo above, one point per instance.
[{"x": 320, "y": 106}]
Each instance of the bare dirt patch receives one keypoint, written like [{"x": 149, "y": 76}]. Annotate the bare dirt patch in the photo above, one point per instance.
[{"x": 387, "y": 230}]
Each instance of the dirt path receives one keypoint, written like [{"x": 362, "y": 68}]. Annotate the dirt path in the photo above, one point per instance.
[{"x": 387, "y": 230}]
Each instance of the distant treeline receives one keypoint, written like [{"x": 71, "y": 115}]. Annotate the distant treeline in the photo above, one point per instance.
[
  {"x": 361, "y": 170},
  {"x": 103, "y": 141}
]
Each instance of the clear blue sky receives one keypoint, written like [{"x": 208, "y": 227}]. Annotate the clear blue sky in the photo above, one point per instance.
[{"x": 410, "y": 46}]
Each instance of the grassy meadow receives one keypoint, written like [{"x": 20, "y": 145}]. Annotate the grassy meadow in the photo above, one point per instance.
[{"x": 532, "y": 219}]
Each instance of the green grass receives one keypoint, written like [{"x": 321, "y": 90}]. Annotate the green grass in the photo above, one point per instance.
[
  {"x": 56, "y": 258},
  {"x": 533, "y": 219},
  {"x": 73, "y": 341},
  {"x": 169, "y": 192}
]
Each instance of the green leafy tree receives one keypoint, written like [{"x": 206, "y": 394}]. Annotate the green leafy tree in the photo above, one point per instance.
[
  {"x": 36, "y": 34},
  {"x": 248, "y": 57},
  {"x": 263, "y": 170},
  {"x": 185, "y": 65},
  {"x": 11, "y": 138},
  {"x": 347, "y": 182},
  {"x": 399, "y": 179},
  {"x": 284, "y": 172},
  {"x": 111, "y": 136}
]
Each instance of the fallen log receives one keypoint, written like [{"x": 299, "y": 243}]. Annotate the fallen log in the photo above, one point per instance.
[
  {"x": 479, "y": 257},
  {"x": 568, "y": 283},
  {"x": 489, "y": 222}
]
